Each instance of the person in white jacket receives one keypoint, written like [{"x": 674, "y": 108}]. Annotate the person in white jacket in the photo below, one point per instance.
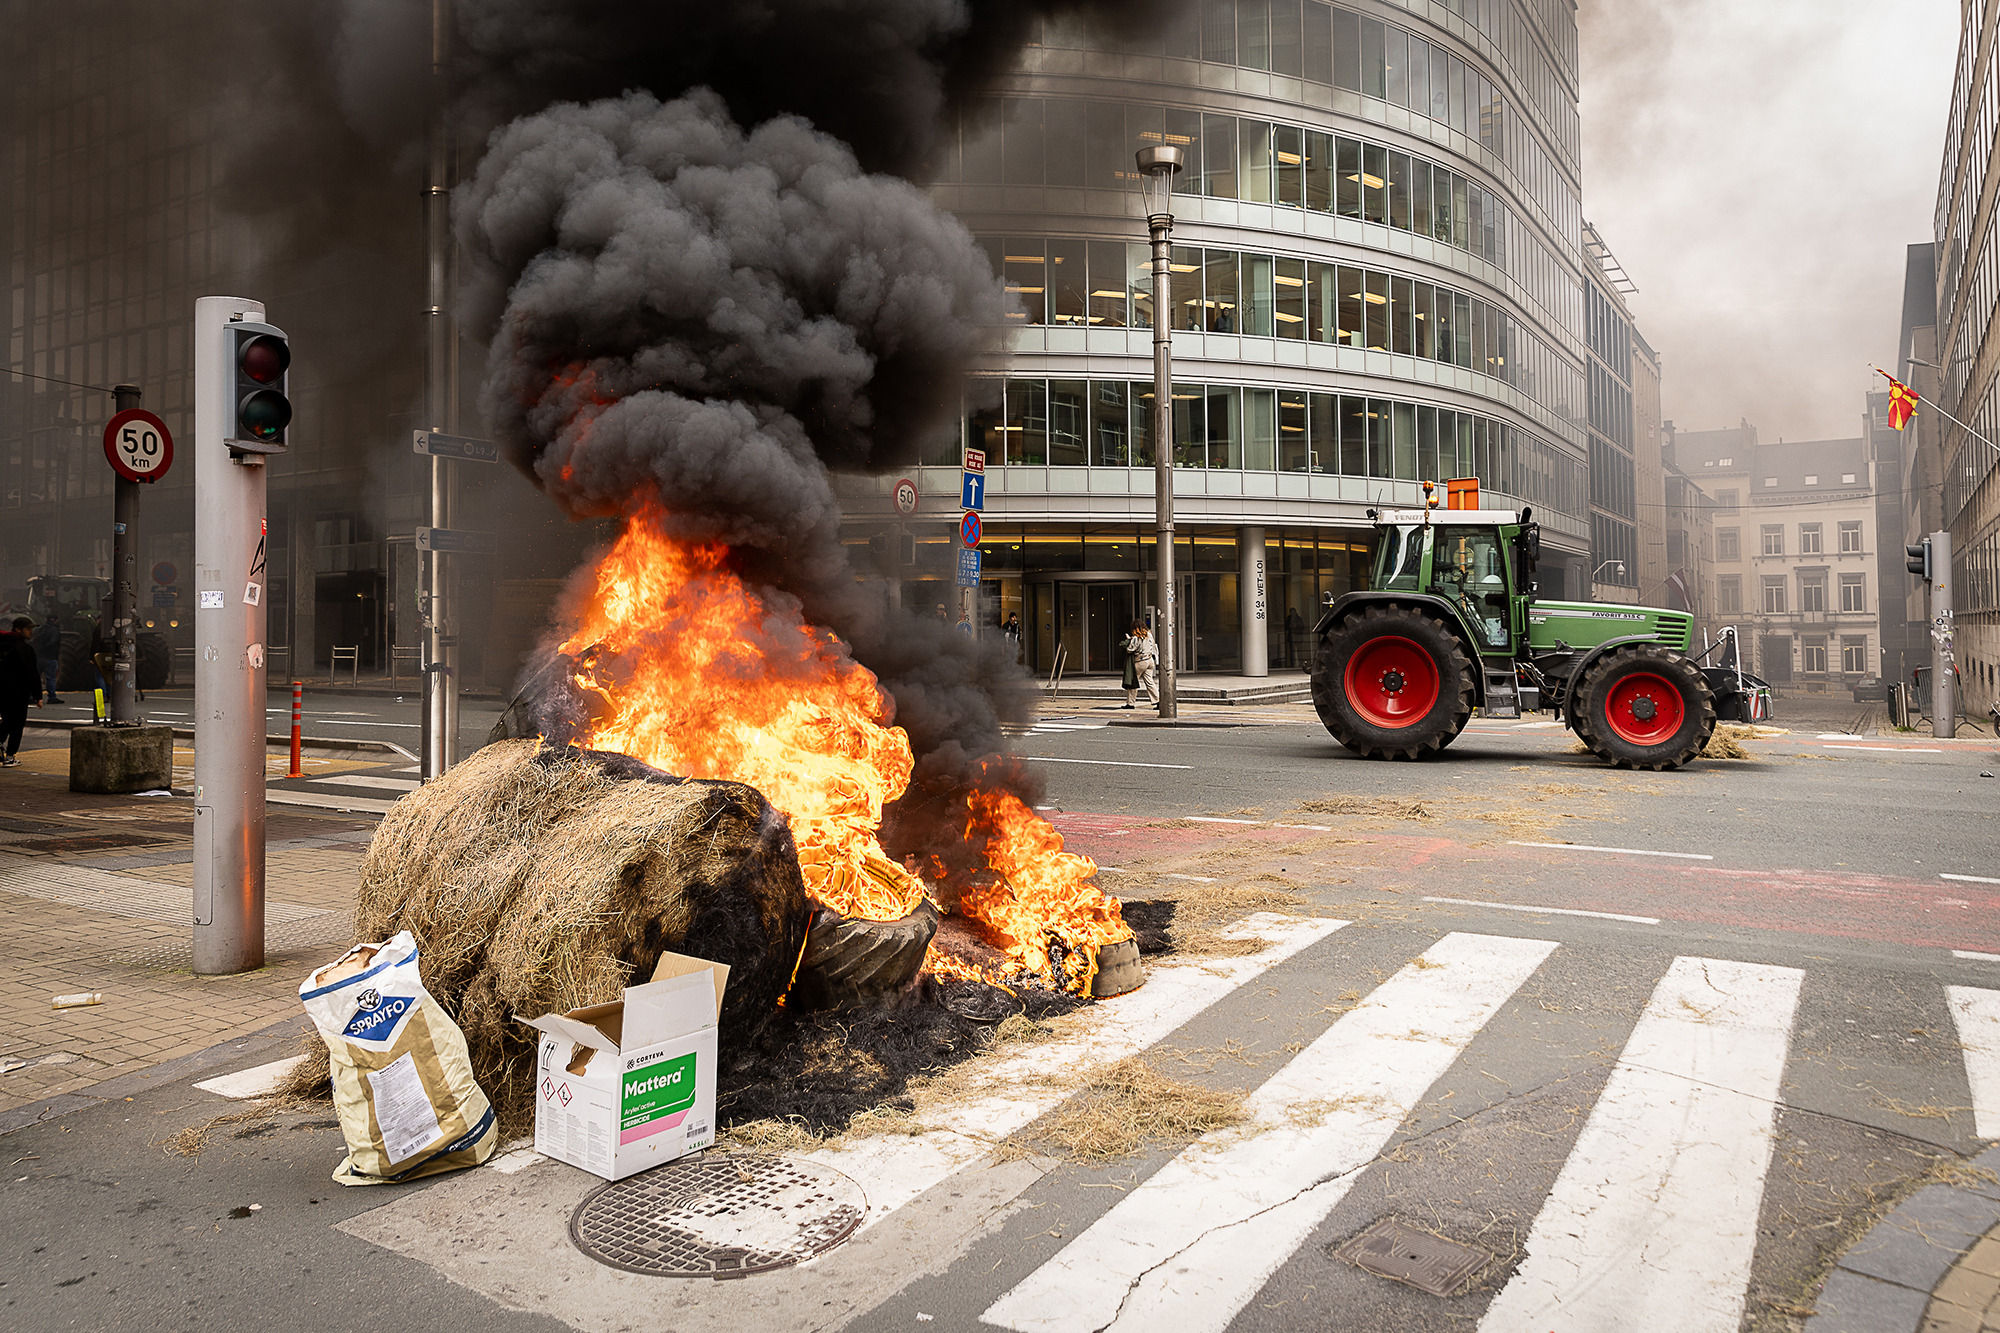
[{"x": 1145, "y": 662}]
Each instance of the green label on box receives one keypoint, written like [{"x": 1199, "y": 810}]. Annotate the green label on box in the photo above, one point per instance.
[{"x": 657, "y": 1089}]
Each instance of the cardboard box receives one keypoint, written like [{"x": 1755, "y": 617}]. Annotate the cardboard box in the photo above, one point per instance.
[{"x": 623, "y": 1086}]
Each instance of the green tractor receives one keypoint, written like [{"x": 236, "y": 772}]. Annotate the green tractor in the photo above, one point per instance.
[
  {"x": 78, "y": 603},
  {"x": 1451, "y": 624}
]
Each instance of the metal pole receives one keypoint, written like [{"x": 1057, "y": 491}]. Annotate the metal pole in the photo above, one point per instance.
[
  {"x": 230, "y": 577},
  {"x": 1944, "y": 685},
  {"x": 124, "y": 583},
  {"x": 1161, "y": 225},
  {"x": 440, "y": 665}
]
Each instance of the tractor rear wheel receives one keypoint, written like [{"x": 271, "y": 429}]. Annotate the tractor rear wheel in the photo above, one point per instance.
[
  {"x": 1644, "y": 706},
  {"x": 156, "y": 662},
  {"x": 1393, "y": 683}
]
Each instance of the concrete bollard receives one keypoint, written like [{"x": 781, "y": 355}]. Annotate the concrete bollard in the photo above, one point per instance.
[{"x": 116, "y": 761}]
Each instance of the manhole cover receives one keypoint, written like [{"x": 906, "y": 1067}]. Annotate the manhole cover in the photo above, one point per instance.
[
  {"x": 718, "y": 1215},
  {"x": 1428, "y": 1263}
]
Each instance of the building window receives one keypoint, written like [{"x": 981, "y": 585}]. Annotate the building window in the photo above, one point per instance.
[
  {"x": 1729, "y": 594},
  {"x": 1728, "y": 543},
  {"x": 1812, "y": 591},
  {"x": 1809, "y": 539},
  {"x": 1774, "y": 539},
  {"x": 1854, "y": 656},
  {"x": 1810, "y": 481},
  {"x": 1847, "y": 478},
  {"x": 1853, "y": 596},
  {"x": 1774, "y": 595},
  {"x": 1850, "y": 538},
  {"x": 1812, "y": 657},
  {"x": 1726, "y": 500}
]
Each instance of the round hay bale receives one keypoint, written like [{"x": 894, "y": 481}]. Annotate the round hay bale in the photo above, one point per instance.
[{"x": 538, "y": 879}]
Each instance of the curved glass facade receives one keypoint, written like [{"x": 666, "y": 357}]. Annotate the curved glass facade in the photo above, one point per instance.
[{"x": 1376, "y": 281}]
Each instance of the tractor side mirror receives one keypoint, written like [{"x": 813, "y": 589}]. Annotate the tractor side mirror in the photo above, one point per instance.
[{"x": 1531, "y": 543}]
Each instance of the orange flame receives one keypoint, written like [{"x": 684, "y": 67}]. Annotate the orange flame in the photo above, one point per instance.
[{"x": 694, "y": 673}]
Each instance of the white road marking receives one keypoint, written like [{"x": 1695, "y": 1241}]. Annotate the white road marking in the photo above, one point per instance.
[
  {"x": 336, "y": 722},
  {"x": 1108, "y": 763},
  {"x": 1218, "y": 819},
  {"x": 326, "y": 801},
  {"x": 1977, "y": 1013},
  {"x": 261, "y": 1081},
  {"x": 1625, "y": 851},
  {"x": 1653, "y": 1220},
  {"x": 1971, "y": 879},
  {"x": 1199, "y": 879},
  {"x": 1559, "y": 911},
  {"x": 1193, "y": 1245},
  {"x": 1976, "y": 957},
  {"x": 1892, "y": 749},
  {"x": 1316, "y": 828},
  {"x": 365, "y": 780},
  {"x": 893, "y": 1169}
]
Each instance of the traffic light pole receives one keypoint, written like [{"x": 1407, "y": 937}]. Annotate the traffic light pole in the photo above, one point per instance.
[
  {"x": 230, "y": 577},
  {"x": 125, "y": 583},
  {"x": 1944, "y": 682},
  {"x": 440, "y": 659}
]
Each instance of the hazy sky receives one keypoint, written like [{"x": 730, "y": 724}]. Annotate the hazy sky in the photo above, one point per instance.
[{"x": 1759, "y": 169}]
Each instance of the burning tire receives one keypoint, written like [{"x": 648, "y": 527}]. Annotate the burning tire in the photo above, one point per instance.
[
  {"x": 849, "y": 961},
  {"x": 1643, "y": 706},
  {"x": 1392, "y": 683}
]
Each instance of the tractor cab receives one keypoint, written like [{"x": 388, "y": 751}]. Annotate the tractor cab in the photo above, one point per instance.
[{"x": 1470, "y": 559}]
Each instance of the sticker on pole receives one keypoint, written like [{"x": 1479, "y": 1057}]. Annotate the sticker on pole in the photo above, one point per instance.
[{"x": 138, "y": 445}]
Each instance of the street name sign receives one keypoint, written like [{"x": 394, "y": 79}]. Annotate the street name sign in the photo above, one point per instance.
[
  {"x": 455, "y": 540},
  {"x": 436, "y": 444}
]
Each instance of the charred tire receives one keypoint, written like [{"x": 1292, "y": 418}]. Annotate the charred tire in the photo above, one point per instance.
[
  {"x": 1392, "y": 683},
  {"x": 849, "y": 961},
  {"x": 1644, "y": 706},
  {"x": 156, "y": 662}
]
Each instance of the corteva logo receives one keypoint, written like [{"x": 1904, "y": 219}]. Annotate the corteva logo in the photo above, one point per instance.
[
  {"x": 375, "y": 1022},
  {"x": 640, "y": 1087}
]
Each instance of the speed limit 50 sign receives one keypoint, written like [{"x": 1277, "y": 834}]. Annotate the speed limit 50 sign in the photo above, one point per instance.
[{"x": 138, "y": 445}]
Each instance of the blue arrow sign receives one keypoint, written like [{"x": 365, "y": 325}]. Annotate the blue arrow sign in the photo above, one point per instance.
[
  {"x": 968, "y": 568},
  {"x": 972, "y": 490}
]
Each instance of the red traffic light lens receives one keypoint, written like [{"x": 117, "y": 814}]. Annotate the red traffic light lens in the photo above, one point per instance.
[
  {"x": 265, "y": 358},
  {"x": 264, "y": 414}
]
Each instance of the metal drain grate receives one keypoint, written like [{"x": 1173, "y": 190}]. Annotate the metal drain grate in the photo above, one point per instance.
[
  {"x": 1428, "y": 1263},
  {"x": 718, "y": 1215}
]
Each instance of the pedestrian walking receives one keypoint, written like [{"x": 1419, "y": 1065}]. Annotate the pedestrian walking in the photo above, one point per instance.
[
  {"x": 1011, "y": 629},
  {"x": 20, "y": 685},
  {"x": 1142, "y": 665},
  {"x": 47, "y": 643}
]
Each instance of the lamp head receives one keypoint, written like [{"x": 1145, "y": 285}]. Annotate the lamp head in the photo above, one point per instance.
[{"x": 1158, "y": 164}]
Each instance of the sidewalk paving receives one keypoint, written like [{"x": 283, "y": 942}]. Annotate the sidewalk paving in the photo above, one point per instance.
[{"x": 95, "y": 895}]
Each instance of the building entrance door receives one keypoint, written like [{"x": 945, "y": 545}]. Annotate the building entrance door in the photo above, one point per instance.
[{"x": 1087, "y": 618}]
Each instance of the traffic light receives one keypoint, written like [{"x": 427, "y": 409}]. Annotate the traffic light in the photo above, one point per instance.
[
  {"x": 260, "y": 359},
  {"x": 1919, "y": 559}
]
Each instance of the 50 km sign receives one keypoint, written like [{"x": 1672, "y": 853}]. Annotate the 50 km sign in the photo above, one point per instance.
[{"x": 138, "y": 446}]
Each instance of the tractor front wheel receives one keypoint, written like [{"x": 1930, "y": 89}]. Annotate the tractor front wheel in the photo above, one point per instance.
[
  {"x": 1644, "y": 707},
  {"x": 1392, "y": 683}
]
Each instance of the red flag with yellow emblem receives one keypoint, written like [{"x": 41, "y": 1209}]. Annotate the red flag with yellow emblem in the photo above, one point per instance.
[{"x": 1902, "y": 404}]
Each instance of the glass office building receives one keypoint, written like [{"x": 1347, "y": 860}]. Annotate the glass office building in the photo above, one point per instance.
[{"x": 1376, "y": 281}]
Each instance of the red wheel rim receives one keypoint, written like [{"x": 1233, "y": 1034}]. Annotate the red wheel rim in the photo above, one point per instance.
[
  {"x": 1392, "y": 682},
  {"x": 1644, "y": 709}
]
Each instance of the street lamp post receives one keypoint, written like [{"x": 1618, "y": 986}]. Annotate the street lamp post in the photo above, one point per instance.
[{"x": 1157, "y": 167}]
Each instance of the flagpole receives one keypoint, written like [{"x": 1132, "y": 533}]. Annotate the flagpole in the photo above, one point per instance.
[{"x": 1939, "y": 410}]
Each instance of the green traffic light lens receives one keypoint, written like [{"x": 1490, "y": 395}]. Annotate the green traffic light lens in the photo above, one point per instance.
[{"x": 264, "y": 414}]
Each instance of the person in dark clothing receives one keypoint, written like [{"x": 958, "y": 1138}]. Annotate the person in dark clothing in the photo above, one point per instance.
[
  {"x": 20, "y": 685},
  {"x": 47, "y": 643}
]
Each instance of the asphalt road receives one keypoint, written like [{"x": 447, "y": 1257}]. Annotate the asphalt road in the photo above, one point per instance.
[{"x": 1550, "y": 971}]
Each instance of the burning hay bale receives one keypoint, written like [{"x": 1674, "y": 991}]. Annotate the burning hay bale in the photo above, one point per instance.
[{"x": 538, "y": 879}]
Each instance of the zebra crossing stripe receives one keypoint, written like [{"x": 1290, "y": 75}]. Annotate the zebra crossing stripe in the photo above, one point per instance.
[
  {"x": 1977, "y": 1013},
  {"x": 1192, "y": 1246},
  {"x": 894, "y": 1169},
  {"x": 1653, "y": 1219}
]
